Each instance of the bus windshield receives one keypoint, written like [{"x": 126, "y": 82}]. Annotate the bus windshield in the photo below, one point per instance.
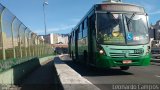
[
  {"x": 137, "y": 32},
  {"x": 110, "y": 29},
  {"x": 122, "y": 29}
]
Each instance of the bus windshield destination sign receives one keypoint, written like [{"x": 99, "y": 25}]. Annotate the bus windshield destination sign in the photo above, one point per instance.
[{"x": 121, "y": 8}]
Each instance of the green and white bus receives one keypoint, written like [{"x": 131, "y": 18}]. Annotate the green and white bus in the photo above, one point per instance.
[{"x": 112, "y": 35}]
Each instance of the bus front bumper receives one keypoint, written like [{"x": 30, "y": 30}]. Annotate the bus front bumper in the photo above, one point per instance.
[{"x": 107, "y": 62}]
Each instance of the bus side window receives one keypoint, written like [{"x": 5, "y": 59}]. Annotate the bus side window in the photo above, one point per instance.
[
  {"x": 92, "y": 24},
  {"x": 80, "y": 32},
  {"x": 72, "y": 37},
  {"x": 82, "y": 29},
  {"x": 85, "y": 28}
]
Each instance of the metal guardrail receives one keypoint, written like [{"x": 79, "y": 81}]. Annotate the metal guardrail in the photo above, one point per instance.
[{"x": 17, "y": 42}]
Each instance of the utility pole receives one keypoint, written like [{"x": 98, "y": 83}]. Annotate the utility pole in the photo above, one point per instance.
[{"x": 45, "y": 26}]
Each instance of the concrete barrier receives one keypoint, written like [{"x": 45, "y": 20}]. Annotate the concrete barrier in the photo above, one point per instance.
[
  {"x": 14, "y": 76},
  {"x": 70, "y": 79}
]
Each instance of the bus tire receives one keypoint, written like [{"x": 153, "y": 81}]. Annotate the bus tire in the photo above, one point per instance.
[{"x": 124, "y": 67}]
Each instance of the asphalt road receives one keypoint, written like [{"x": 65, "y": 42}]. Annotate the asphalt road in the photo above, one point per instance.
[{"x": 104, "y": 78}]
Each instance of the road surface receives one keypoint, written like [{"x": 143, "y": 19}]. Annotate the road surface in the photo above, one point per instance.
[{"x": 104, "y": 78}]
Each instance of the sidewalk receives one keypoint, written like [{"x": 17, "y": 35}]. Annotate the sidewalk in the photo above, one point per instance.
[{"x": 44, "y": 78}]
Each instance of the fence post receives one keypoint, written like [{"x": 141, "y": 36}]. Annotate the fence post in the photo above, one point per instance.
[
  {"x": 20, "y": 40},
  {"x": 29, "y": 41},
  {"x": 25, "y": 42},
  {"x": 38, "y": 45},
  {"x": 3, "y": 49},
  {"x": 12, "y": 30},
  {"x": 43, "y": 48},
  {"x": 33, "y": 44},
  {"x": 35, "y": 38}
]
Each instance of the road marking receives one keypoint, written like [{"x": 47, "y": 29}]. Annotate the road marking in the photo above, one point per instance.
[{"x": 157, "y": 76}]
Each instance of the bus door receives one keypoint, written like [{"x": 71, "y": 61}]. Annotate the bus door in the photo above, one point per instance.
[{"x": 91, "y": 41}]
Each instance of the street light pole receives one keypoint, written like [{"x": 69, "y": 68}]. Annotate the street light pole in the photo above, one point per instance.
[{"x": 45, "y": 26}]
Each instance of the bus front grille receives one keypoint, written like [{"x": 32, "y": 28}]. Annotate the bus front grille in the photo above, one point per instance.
[
  {"x": 133, "y": 55},
  {"x": 123, "y": 55},
  {"x": 117, "y": 55}
]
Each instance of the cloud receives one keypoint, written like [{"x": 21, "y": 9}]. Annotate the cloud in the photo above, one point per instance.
[{"x": 156, "y": 12}]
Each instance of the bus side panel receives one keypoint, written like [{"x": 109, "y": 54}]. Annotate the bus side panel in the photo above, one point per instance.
[
  {"x": 80, "y": 44},
  {"x": 83, "y": 44}
]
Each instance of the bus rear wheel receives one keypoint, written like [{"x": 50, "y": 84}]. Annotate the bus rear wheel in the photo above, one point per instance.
[{"x": 124, "y": 67}]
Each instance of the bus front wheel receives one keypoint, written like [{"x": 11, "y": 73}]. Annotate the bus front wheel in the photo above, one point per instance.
[{"x": 124, "y": 67}]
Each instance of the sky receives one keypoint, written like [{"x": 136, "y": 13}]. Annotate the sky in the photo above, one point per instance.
[{"x": 63, "y": 15}]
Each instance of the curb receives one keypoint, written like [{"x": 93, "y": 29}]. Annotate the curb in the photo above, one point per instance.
[{"x": 70, "y": 79}]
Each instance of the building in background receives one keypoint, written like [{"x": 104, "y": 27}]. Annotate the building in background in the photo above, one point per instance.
[
  {"x": 58, "y": 41},
  {"x": 154, "y": 32},
  {"x": 63, "y": 39},
  {"x": 56, "y": 38}
]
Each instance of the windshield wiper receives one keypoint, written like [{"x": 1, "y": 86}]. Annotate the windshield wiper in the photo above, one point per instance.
[
  {"x": 130, "y": 18},
  {"x": 128, "y": 22},
  {"x": 113, "y": 18}
]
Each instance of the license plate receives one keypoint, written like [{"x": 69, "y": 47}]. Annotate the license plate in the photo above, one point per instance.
[{"x": 127, "y": 61}]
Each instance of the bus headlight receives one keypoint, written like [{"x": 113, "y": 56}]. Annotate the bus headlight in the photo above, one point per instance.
[{"x": 101, "y": 52}]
